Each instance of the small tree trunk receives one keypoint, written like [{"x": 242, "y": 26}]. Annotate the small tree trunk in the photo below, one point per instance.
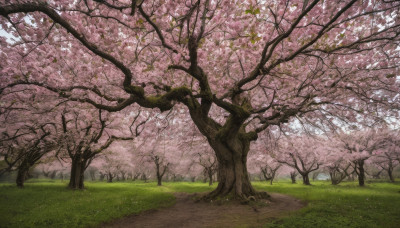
[
  {"x": 143, "y": 177},
  {"x": 210, "y": 176},
  {"x": 205, "y": 177},
  {"x": 92, "y": 175},
  {"x": 293, "y": 177},
  {"x": 315, "y": 175},
  {"x": 333, "y": 179},
  {"x": 53, "y": 174},
  {"x": 272, "y": 178}
]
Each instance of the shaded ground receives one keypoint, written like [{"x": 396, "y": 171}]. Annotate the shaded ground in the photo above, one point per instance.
[{"x": 190, "y": 214}]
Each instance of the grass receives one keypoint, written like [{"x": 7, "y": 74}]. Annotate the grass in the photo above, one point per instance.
[
  {"x": 345, "y": 205},
  {"x": 50, "y": 204}
]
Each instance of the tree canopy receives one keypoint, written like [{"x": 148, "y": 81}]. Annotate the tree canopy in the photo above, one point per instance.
[{"x": 238, "y": 67}]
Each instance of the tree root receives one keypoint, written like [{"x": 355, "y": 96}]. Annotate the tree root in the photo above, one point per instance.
[{"x": 242, "y": 198}]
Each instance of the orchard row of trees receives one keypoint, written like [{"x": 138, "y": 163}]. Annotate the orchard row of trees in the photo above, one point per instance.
[
  {"x": 178, "y": 151},
  {"x": 341, "y": 155},
  {"x": 235, "y": 69}
]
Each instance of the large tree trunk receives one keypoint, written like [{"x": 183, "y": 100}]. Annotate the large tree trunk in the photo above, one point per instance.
[
  {"x": 390, "y": 173},
  {"x": 306, "y": 179},
  {"x": 232, "y": 170},
  {"x": 159, "y": 177},
  {"x": 231, "y": 144},
  {"x": 159, "y": 181},
  {"x": 110, "y": 177},
  {"x": 22, "y": 175},
  {"x": 361, "y": 173},
  {"x": 77, "y": 173}
]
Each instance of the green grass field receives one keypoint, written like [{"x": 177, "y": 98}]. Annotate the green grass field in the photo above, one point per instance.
[
  {"x": 345, "y": 205},
  {"x": 51, "y": 204}
]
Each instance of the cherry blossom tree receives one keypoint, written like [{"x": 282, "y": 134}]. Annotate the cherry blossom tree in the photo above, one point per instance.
[
  {"x": 83, "y": 140},
  {"x": 198, "y": 151},
  {"x": 109, "y": 165},
  {"x": 162, "y": 152},
  {"x": 293, "y": 175},
  {"x": 261, "y": 161},
  {"x": 301, "y": 153},
  {"x": 337, "y": 161},
  {"x": 239, "y": 67},
  {"x": 27, "y": 134},
  {"x": 360, "y": 146},
  {"x": 387, "y": 157},
  {"x": 22, "y": 148},
  {"x": 206, "y": 158},
  {"x": 269, "y": 170}
]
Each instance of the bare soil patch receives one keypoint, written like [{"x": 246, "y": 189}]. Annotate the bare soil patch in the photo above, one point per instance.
[{"x": 187, "y": 213}]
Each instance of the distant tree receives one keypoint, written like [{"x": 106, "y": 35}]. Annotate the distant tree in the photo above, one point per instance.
[
  {"x": 360, "y": 146},
  {"x": 269, "y": 172},
  {"x": 84, "y": 138},
  {"x": 387, "y": 157},
  {"x": 293, "y": 175},
  {"x": 301, "y": 153},
  {"x": 23, "y": 147}
]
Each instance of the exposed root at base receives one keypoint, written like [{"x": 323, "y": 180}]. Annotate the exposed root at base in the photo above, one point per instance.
[{"x": 242, "y": 198}]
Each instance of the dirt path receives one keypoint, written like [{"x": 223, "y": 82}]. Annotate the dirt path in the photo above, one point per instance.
[{"x": 189, "y": 214}]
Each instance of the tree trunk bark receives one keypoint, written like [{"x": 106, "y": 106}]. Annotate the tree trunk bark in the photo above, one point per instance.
[
  {"x": 306, "y": 179},
  {"x": 293, "y": 177},
  {"x": 333, "y": 179},
  {"x": 232, "y": 170},
  {"x": 390, "y": 173},
  {"x": 77, "y": 173},
  {"x": 21, "y": 175},
  {"x": 109, "y": 177},
  {"x": 159, "y": 177},
  {"x": 361, "y": 173},
  {"x": 210, "y": 176}
]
